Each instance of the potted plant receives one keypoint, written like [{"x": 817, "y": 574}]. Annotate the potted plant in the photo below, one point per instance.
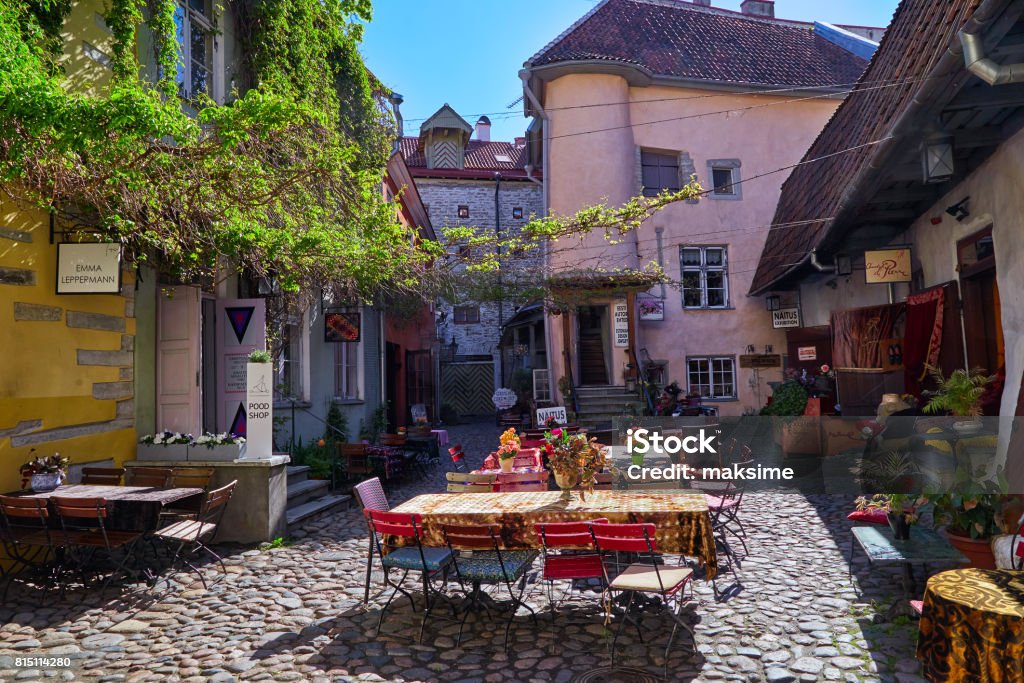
[
  {"x": 508, "y": 449},
  {"x": 900, "y": 508},
  {"x": 959, "y": 395},
  {"x": 44, "y": 473},
  {"x": 165, "y": 445},
  {"x": 223, "y": 446},
  {"x": 970, "y": 521},
  {"x": 789, "y": 402},
  {"x": 574, "y": 459}
]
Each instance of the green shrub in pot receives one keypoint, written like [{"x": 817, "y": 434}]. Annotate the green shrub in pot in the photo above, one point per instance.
[{"x": 788, "y": 400}]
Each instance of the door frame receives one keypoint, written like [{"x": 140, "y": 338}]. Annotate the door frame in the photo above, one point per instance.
[{"x": 606, "y": 342}]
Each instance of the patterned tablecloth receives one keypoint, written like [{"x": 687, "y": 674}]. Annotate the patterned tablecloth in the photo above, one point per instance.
[
  {"x": 972, "y": 627},
  {"x": 682, "y": 520}
]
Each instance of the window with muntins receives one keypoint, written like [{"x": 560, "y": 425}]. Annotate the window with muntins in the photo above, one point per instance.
[
  {"x": 194, "y": 32},
  {"x": 705, "y": 276},
  {"x": 465, "y": 315},
  {"x": 346, "y": 370},
  {"x": 288, "y": 382},
  {"x": 659, "y": 172},
  {"x": 712, "y": 377}
]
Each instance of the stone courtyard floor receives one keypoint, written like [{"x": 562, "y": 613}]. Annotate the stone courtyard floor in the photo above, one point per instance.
[{"x": 294, "y": 613}]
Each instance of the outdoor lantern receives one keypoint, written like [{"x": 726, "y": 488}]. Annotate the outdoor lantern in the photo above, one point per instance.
[
  {"x": 844, "y": 264},
  {"x": 937, "y": 159},
  {"x": 772, "y": 302}
]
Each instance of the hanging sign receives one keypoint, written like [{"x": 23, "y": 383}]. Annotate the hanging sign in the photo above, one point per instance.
[
  {"x": 887, "y": 265},
  {"x": 620, "y": 315},
  {"x": 786, "y": 317},
  {"x": 88, "y": 268},
  {"x": 259, "y": 412},
  {"x": 504, "y": 398},
  {"x": 341, "y": 326},
  {"x": 651, "y": 308}
]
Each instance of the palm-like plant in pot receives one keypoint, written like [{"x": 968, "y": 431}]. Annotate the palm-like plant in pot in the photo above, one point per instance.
[{"x": 958, "y": 395}]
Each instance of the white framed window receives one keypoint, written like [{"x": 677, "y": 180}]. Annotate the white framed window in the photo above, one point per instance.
[
  {"x": 346, "y": 371},
  {"x": 659, "y": 171},
  {"x": 712, "y": 377},
  {"x": 724, "y": 178},
  {"x": 288, "y": 383},
  {"x": 193, "y": 21},
  {"x": 705, "y": 276}
]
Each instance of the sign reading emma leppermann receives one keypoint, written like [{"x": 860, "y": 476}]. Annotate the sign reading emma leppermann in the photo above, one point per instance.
[
  {"x": 557, "y": 412},
  {"x": 786, "y": 317},
  {"x": 88, "y": 268}
]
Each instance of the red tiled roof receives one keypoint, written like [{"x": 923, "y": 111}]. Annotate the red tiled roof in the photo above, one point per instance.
[
  {"x": 922, "y": 30},
  {"x": 481, "y": 160},
  {"x": 682, "y": 40}
]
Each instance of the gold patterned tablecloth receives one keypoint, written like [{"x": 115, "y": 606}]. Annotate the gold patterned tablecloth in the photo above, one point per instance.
[
  {"x": 682, "y": 519},
  {"x": 972, "y": 627}
]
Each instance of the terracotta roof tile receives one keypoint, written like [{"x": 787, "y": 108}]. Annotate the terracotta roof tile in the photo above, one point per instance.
[{"x": 482, "y": 159}]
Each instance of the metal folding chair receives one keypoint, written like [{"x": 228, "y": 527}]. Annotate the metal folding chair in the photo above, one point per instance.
[
  {"x": 356, "y": 460},
  {"x": 370, "y": 496},
  {"x": 27, "y": 539},
  {"x": 83, "y": 522},
  {"x": 568, "y": 554},
  {"x": 458, "y": 458},
  {"x": 191, "y": 536}
]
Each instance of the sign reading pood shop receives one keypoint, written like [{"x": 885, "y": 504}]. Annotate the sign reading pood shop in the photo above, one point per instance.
[
  {"x": 259, "y": 410},
  {"x": 88, "y": 268}
]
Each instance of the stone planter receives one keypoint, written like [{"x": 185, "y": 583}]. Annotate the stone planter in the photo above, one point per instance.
[
  {"x": 42, "y": 483},
  {"x": 154, "y": 451},
  {"x": 222, "y": 453}
]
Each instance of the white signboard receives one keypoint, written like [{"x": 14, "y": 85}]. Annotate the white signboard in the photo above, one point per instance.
[
  {"x": 88, "y": 268},
  {"x": 241, "y": 327},
  {"x": 259, "y": 411},
  {"x": 558, "y": 413},
  {"x": 620, "y": 314},
  {"x": 786, "y": 317},
  {"x": 504, "y": 399}
]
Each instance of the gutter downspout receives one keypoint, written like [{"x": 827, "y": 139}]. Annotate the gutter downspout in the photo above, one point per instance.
[
  {"x": 524, "y": 76},
  {"x": 501, "y": 302},
  {"x": 818, "y": 265},
  {"x": 984, "y": 67},
  {"x": 396, "y": 103}
]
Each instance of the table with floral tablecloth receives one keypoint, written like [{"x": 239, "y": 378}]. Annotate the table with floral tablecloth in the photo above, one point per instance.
[
  {"x": 972, "y": 627},
  {"x": 682, "y": 519}
]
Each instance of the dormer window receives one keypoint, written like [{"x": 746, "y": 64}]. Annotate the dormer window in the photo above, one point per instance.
[{"x": 444, "y": 137}]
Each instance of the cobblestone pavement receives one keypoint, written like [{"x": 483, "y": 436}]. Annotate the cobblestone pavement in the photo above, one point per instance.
[{"x": 294, "y": 613}]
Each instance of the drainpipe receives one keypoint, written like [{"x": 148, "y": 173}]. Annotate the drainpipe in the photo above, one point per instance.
[
  {"x": 501, "y": 303},
  {"x": 984, "y": 67},
  {"x": 396, "y": 103},
  {"x": 818, "y": 265}
]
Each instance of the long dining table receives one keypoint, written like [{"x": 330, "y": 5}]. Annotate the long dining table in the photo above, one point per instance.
[
  {"x": 682, "y": 519},
  {"x": 134, "y": 508}
]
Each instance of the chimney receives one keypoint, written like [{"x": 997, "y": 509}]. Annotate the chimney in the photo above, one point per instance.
[
  {"x": 483, "y": 129},
  {"x": 758, "y": 8},
  {"x": 519, "y": 142},
  {"x": 702, "y": 3}
]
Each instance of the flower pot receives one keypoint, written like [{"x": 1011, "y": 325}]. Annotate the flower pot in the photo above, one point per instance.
[
  {"x": 155, "y": 451},
  {"x": 899, "y": 525},
  {"x": 42, "y": 483},
  {"x": 219, "y": 453},
  {"x": 977, "y": 550},
  {"x": 506, "y": 464}
]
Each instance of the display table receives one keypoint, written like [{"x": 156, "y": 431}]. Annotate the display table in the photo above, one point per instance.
[
  {"x": 924, "y": 546},
  {"x": 972, "y": 627}
]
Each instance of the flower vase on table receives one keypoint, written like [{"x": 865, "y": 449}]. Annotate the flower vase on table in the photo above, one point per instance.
[
  {"x": 506, "y": 464},
  {"x": 574, "y": 460},
  {"x": 567, "y": 482},
  {"x": 44, "y": 474},
  {"x": 508, "y": 449}
]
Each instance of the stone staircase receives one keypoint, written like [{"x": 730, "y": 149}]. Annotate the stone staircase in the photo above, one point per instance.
[
  {"x": 599, "y": 405},
  {"x": 310, "y": 498}
]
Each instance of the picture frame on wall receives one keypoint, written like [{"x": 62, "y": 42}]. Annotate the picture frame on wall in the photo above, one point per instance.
[
  {"x": 342, "y": 326},
  {"x": 651, "y": 308}
]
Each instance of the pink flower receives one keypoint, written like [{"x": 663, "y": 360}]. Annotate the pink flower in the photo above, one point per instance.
[
  {"x": 825, "y": 368},
  {"x": 557, "y": 433}
]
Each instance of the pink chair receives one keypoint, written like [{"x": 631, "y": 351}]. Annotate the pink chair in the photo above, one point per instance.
[{"x": 370, "y": 496}]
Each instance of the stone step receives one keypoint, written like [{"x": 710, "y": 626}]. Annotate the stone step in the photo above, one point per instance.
[
  {"x": 611, "y": 401},
  {"x": 305, "y": 491},
  {"x": 306, "y": 512},
  {"x": 297, "y": 473}
]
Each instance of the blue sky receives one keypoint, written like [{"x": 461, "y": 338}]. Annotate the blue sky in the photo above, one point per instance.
[{"x": 468, "y": 52}]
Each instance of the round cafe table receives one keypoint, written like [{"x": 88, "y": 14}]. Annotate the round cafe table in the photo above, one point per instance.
[{"x": 972, "y": 626}]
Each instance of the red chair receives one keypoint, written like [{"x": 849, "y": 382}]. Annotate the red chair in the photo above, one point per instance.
[
  {"x": 429, "y": 562},
  {"x": 458, "y": 458},
  {"x": 568, "y": 553},
  {"x": 649, "y": 575},
  {"x": 509, "y": 482},
  {"x": 370, "y": 495}
]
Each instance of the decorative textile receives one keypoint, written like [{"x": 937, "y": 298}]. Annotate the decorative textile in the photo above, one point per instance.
[
  {"x": 388, "y": 457},
  {"x": 484, "y": 566},
  {"x": 409, "y": 558},
  {"x": 682, "y": 519},
  {"x": 856, "y": 334},
  {"x": 972, "y": 627},
  {"x": 869, "y": 515},
  {"x": 922, "y": 339}
]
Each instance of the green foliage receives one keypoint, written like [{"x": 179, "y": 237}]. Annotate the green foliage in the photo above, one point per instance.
[
  {"x": 338, "y": 423},
  {"x": 788, "y": 400},
  {"x": 959, "y": 394},
  {"x": 971, "y": 514},
  {"x": 521, "y": 382},
  {"x": 313, "y": 455},
  {"x": 277, "y": 543},
  {"x": 259, "y": 356}
]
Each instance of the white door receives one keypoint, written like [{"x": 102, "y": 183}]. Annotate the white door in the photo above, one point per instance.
[{"x": 178, "y": 396}]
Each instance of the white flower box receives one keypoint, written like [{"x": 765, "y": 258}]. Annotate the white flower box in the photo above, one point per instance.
[
  {"x": 170, "y": 451},
  {"x": 222, "y": 452}
]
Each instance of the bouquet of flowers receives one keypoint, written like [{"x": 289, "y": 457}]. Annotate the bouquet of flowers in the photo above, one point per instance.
[
  {"x": 550, "y": 422},
  {"x": 54, "y": 464},
  {"x": 223, "y": 439},
  {"x": 165, "y": 438},
  {"x": 574, "y": 458},
  {"x": 509, "y": 444}
]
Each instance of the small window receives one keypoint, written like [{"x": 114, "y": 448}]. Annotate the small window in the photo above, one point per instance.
[
  {"x": 463, "y": 211},
  {"x": 503, "y": 158},
  {"x": 659, "y": 172},
  {"x": 517, "y": 212},
  {"x": 724, "y": 176},
  {"x": 721, "y": 179},
  {"x": 712, "y": 377},
  {"x": 466, "y": 315},
  {"x": 194, "y": 35},
  {"x": 705, "y": 276}
]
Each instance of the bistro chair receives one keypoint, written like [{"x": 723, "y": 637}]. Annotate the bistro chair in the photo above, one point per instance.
[
  {"x": 186, "y": 478},
  {"x": 486, "y": 562},
  {"x": 370, "y": 496},
  {"x": 190, "y": 536},
  {"x": 26, "y": 537},
  {"x": 568, "y": 553},
  {"x": 387, "y": 530},
  {"x": 509, "y": 482},
  {"x": 648, "y": 575},
  {"x": 84, "y": 523},
  {"x": 604, "y": 481},
  {"x": 467, "y": 482},
  {"x": 102, "y": 476},
  {"x": 153, "y": 477},
  {"x": 458, "y": 458},
  {"x": 356, "y": 460}
]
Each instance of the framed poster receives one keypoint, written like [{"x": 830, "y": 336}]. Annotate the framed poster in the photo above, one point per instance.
[
  {"x": 807, "y": 353},
  {"x": 341, "y": 326},
  {"x": 620, "y": 313},
  {"x": 88, "y": 268},
  {"x": 651, "y": 308},
  {"x": 887, "y": 265}
]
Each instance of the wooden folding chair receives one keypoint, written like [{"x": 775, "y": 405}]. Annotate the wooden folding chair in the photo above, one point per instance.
[
  {"x": 467, "y": 482},
  {"x": 523, "y": 481},
  {"x": 27, "y": 539},
  {"x": 604, "y": 481},
  {"x": 154, "y": 477},
  {"x": 191, "y": 477},
  {"x": 83, "y": 522},
  {"x": 194, "y": 535},
  {"x": 102, "y": 476},
  {"x": 357, "y": 462}
]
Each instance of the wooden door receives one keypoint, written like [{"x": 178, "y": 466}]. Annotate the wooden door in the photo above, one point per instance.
[
  {"x": 178, "y": 399},
  {"x": 592, "y": 321}
]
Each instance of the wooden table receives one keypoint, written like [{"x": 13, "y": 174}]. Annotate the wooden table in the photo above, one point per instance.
[
  {"x": 682, "y": 519},
  {"x": 972, "y": 626},
  {"x": 134, "y": 508}
]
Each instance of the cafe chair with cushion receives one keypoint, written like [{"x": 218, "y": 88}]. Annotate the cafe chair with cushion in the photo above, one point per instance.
[
  {"x": 27, "y": 539},
  {"x": 84, "y": 524},
  {"x": 191, "y": 536},
  {"x": 102, "y": 476},
  {"x": 458, "y": 458},
  {"x": 467, "y": 482},
  {"x": 388, "y": 530},
  {"x": 152, "y": 477},
  {"x": 568, "y": 554},
  {"x": 370, "y": 496},
  {"x": 509, "y": 482},
  {"x": 648, "y": 575},
  {"x": 479, "y": 559}
]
